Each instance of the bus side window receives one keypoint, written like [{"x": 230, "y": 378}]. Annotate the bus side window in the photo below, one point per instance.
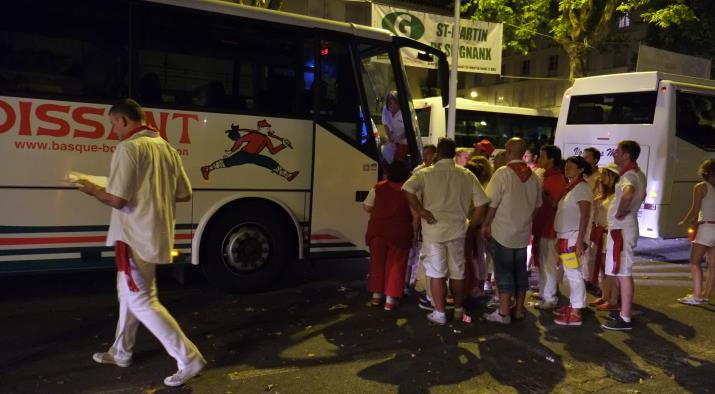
[
  {"x": 218, "y": 63},
  {"x": 83, "y": 57},
  {"x": 337, "y": 89}
]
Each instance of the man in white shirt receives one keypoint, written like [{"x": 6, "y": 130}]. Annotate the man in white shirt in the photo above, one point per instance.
[
  {"x": 515, "y": 193},
  {"x": 146, "y": 179},
  {"x": 623, "y": 228},
  {"x": 449, "y": 192}
]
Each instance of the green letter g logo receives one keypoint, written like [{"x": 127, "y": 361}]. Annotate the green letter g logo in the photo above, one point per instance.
[{"x": 404, "y": 24}]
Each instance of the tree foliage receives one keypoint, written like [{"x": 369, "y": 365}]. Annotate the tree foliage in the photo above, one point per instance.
[
  {"x": 578, "y": 26},
  {"x": 694, "y": 37}
]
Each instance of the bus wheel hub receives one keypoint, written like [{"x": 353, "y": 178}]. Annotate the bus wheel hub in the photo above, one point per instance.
[{"x": 246, "y": 249}]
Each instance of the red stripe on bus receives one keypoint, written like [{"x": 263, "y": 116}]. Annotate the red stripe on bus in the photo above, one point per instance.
[
  {"x": 65, "y": 240},
  {"x": 51, "y": 240}
]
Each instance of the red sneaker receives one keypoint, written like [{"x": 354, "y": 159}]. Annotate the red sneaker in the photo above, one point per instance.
[
  {"x": 568, "y": 319},
  {"x": 564, "y": 310},
  {"x": 205, "y": 172},
  {"x": 390, "y": 306}
]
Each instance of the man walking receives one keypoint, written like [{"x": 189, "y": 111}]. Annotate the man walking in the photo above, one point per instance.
[
  {"x": 623, "y": 228},
  {"x": 146, "y": 179},
  {"x": 449, "y": 192},
  {"x": 515, "y": 193}
]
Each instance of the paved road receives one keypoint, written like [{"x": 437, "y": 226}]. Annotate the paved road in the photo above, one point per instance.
[{"x": 314, "y": 333}]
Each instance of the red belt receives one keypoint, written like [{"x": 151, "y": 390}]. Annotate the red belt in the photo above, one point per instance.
[
  {"x": 617, "y": 236},
  {"x": 563, "y": 245},
  {"x": 707, "y": 222},
  {"x": 121, "y": 257}
]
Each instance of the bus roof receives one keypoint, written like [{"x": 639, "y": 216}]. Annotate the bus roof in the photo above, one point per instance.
[
  {"x": 630, "y": 82},
  {"x": 227, "y": 8},
  {"x": 471, "y": 105}
]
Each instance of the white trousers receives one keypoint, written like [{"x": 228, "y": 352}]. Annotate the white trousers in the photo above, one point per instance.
[
  {"x": 144, "y": 307},
  {"x": 577, "y": 288},
  {"x": 549, "y": 275}
]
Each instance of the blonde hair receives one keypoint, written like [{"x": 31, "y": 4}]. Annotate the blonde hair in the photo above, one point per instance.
[{"x": 706, "y": 168}]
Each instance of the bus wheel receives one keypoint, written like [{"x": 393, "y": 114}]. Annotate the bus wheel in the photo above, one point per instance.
[{"x": 246, "y": 246}]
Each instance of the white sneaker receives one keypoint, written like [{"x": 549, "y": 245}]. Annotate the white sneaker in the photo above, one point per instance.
[
  {"x": 692, "y": 300},
  {"x": 106, "y": 358},
  {"x": 497, "y": 318},
  {"x": 184, "y": 375},
  {"x": 440, "y": 319}
]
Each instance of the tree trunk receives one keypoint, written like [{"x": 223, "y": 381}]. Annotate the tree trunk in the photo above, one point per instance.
[{"x": 578, "y": 59}]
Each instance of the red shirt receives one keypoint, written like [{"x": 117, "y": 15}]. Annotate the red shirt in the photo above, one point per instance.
[
  {"x": 255, "y": 143},
  {"x": 554, "y": 186},
  {"x": 390, "y": 218}
]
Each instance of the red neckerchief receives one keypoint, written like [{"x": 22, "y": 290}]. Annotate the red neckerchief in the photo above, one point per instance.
[
  {"x": 522, "y": 170},
  {"x": 552, "y": 171},
  {"x": 139, "y": 129},
  {"x": 630, "y": 166},
  {"x": 573, "y": 184}
]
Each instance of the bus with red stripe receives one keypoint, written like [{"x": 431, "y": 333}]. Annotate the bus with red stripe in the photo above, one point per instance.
[{"x": 273, "y": 114}]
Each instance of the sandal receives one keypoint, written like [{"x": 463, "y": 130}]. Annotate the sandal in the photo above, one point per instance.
[{"x": 597, "y": 302}]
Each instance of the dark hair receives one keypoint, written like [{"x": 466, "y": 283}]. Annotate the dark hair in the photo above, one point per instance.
[
  {"x": 431, "y": 147},
  {"x": 129, "y": 108},
  {"x": 581, "y": 163},
  {"x": 707, "y": 168},
  {"x": 553, "y": 152},
  {"x": 446, "y": 148},
  {"x": 397, "y": 171},
  {"x": 481, "y": 168},
  {"x": 533, "y": 149},
  {"x": 632, "y": 148},
  {"x": 594, "y": 152}
]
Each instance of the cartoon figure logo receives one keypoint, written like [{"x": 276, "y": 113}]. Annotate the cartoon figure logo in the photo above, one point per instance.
[{"x": 247, "y": 148}]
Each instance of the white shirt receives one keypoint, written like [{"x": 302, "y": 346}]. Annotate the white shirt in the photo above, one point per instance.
[
  {"x": 515, "y": 202},
  {"x": 448, "y": 191},
  {"x": 707, "y": 207},
  {"x": 147, "y": 172},
  {"x": 600, "y": 214},
  {"x": 370, "y": 199},
  {"x": 395, "y": 124},
  {"x": 631, "y": 178},
  {"x": 568, "y": 214}
]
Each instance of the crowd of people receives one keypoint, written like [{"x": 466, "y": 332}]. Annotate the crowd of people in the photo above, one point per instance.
[{"x": 464, "y": 226}]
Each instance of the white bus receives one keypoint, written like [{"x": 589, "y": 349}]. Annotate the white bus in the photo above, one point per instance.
[
  {"x": 213, "y": 76},
  {"x": 476, "y": 121},
  {"x": 672, "y": 117}
]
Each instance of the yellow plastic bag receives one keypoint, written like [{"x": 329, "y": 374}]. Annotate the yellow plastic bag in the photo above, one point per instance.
[{"x": 569, "y": 260}]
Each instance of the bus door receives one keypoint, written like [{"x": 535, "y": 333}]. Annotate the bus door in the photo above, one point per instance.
[{"x": 345, "y": 158}]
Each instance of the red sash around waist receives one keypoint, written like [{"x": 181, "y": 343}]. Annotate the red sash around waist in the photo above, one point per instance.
[
  {"x": 617, "y": 236},
  {"x": 122, "y": 251}
]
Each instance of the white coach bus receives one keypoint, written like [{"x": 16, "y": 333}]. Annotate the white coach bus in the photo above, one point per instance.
[
  {"x": 291, "y": 94},
  {"x": 671, "y": 116},
  {"x": 476, "y": 120}
]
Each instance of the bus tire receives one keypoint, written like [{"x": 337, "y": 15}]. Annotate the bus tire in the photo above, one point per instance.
[{"x": 246, "y": 246}]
